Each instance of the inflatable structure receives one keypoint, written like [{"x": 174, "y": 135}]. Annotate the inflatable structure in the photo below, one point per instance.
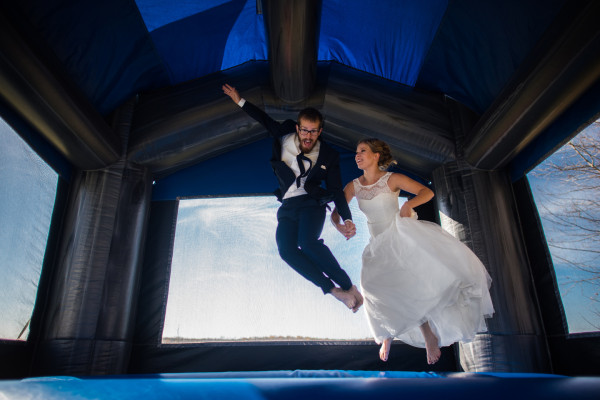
[{"x": 123, "y": 100}]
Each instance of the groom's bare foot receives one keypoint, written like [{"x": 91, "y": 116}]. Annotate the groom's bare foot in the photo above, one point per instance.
[
  {"x": 357, "y": 297},
  {"x": 344, "y": 296},
  {"x": 384, "y": 351}
]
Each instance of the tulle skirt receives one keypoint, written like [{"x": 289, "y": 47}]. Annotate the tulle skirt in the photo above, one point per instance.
[{"x": 415, "y": 272}]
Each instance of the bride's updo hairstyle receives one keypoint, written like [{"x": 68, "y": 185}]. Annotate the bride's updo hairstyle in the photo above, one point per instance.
[{"x": 381, "y": 147}]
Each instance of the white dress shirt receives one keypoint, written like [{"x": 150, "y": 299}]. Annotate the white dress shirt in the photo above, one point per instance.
[{"x": 290, "y": 148}]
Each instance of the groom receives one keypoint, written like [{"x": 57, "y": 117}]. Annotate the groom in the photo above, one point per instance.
[{"x": 301, "y": 162}]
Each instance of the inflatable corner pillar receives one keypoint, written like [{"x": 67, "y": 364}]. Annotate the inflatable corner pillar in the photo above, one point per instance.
[
  {"x": 88, "y": 321},
  {"x": 478, "y": 208}
]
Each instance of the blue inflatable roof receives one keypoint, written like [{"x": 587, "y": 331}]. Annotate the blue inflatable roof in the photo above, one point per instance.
[{"x": 466, "y": 49}]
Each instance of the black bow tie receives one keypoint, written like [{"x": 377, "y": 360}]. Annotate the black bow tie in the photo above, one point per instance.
[{"x": 303, "y": 172}]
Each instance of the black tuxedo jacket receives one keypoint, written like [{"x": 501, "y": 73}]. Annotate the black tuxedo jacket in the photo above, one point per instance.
[{"x": 326, "y": 169}]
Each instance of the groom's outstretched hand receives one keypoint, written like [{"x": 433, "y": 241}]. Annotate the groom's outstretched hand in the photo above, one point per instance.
[{"x": 231, "y": 92}]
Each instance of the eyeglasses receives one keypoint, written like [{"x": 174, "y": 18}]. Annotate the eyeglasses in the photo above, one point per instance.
[{"x": 311, "y": 132}]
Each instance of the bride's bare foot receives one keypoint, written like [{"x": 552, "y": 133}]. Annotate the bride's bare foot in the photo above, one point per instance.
[
  {"x": 357, "y": 297},
  {"x": 384, "y": 351},
  {"x": 431, "y": 344},
  {"x": 344, "y": 296},
  {"x": 433, "y": 351}
]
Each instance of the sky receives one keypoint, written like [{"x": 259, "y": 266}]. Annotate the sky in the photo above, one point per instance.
[
  {"x": 224, "y": 291},
  {"x": 27, "y": 194},
  {"x": 552, "y": 195}
]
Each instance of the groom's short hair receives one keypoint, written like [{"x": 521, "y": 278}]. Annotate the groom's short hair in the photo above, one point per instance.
[{"x": 310, "y": 114}]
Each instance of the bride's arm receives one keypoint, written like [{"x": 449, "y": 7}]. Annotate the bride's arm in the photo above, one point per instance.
[{"x": 422, "y": 193}]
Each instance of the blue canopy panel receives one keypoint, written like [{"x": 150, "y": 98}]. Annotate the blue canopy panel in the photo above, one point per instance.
[
  {"x": 207, "y": 40},
  {"x": 387, "y": 38},
  {"x": 103, "y": 45},
  {"x": 466, "y": 49},
  {"x": 480, "y": 44},
  {"x": 158, "y": 13},
  {"x": 390, "y": 40}
]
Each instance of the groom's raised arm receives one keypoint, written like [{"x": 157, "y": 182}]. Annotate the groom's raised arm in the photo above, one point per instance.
[{"x": 273, "y": 127}]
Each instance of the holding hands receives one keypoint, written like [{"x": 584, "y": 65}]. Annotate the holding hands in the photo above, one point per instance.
[{"x": 348, "y": 229}]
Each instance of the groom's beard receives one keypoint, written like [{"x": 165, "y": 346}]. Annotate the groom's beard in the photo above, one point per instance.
[{"x": 307, "y": 144}]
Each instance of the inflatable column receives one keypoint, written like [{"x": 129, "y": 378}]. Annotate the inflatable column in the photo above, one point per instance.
[
  {"x": 88, "y": 319},
  {"x": 478, "y": 208}
]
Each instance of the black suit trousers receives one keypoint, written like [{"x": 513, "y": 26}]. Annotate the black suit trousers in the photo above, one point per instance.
[{"x": 300, "y": 224}]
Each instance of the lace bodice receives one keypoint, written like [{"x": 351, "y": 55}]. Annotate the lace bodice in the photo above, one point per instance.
[
  {"x": 367, "y": 192},
  {"x": 378, "y": 203}
]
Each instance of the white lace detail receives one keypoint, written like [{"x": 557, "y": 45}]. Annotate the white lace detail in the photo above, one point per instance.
[{"x": 367, "y": 192}]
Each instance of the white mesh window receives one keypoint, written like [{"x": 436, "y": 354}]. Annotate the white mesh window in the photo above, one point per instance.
[
  {"x": 566, "y": 188},
  {"x": 229, "y": 283},
  {"x": 27, "y": 195}
]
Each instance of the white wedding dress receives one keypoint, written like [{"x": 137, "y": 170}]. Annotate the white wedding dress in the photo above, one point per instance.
[{"x": 413, "y": 272}]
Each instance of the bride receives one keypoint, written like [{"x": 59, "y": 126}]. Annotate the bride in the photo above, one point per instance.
[{"x": 421, "y": 285}]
